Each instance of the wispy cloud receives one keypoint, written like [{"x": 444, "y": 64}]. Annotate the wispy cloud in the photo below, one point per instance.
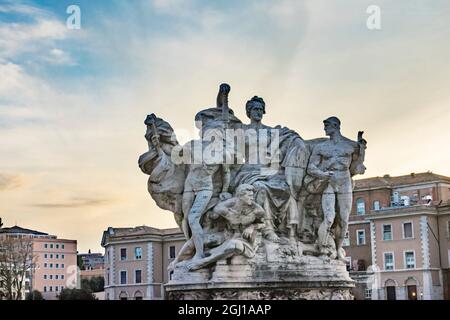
[
  {"x": 35, "y": 31},
  {"x": 11, "y": 181},
  {"x": 10, "y": 6},
  {"x": 75, "y": 203}
]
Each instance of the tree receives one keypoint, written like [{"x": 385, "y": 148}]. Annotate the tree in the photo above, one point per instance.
[
  {"x": 80, "y": 263},
  {"x": 16, "y": 260},
  {"x": 35, "y": 295},
  {"x": 94, "y": 284},
  {"x": 76, "y": 294},
  {"x": 97, "y": 284}
]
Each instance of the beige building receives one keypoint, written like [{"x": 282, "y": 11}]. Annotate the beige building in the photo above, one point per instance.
[
  {"x": 136, "y": 261},
  {"x": 91, "y": 273},
  {"x": 400, "y": 227},
  {"x": 55, "y": 266}
]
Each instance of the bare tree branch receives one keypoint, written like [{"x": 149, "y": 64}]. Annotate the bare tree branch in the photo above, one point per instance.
[{"x": 16, "y": 259}]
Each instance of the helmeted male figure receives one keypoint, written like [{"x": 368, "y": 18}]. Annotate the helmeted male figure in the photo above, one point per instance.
[{"x": 334, "y": 162}]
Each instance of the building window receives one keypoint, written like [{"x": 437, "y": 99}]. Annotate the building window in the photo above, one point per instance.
[
  {"x": 407, "y": 230},
  {"x": 62, "y": 277},
  {"x": 172, "y": 252},
  {"x": 123, "y": 254},
  {"x": 45, "y": 277},
  {"x": 51, "y": 256},
  {"x": 62, "y": 265},
  {"x": 138, "y": 276},
  {"x": 170, "y": 275},
  {"x": 45, "y": 289},
  {"x": 138, "y": 253},
  {"x": 51, "y": 277},
  {"x": 51, "y": 247},
  {"x": 348, "y": 263},
  {"x": 56, "y": 276},
  {"x": 62, "y": 246},
  {"x": 56, "y": 288},
  {"x": 57, "y": 256},
  {"x": 346, "y": 242},
  {"x": 387, "y": 232},
  {"x": 376, "y": 205},
  {"x": 405, "y": 201},
  {"x": 62, "y": 256},
  {"x": 360, "y": 206},
  {"x": 361, "y": 237},
  {"x": 46, "y": 246},
  {"x": 50, "y": 288},
  {"x": 45, "y": 256},
  {"x": 45, "y": 265},
  {"x": 123, "y": 296},
  {"x": 57, "y": 266},
  {"x": 410, "y": 260},
  {"x": 388, "y": 261},
  {"x": 123, "y": 277},
  {"x": 57, "y": 246},
  {"x": 368, "y": 294},
  {"x": 107, "y": 277},
  {"x": 51, "y": 265},
  {"x": 138, "y": 296}
]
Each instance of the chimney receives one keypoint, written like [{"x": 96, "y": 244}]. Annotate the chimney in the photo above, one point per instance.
[
  {"x": 413, "y": 174},
  {"x": 386, "y": 176},
  {"x": 1, "y": 223}
]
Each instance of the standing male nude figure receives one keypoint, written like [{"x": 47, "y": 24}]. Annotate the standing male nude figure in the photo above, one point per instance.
[{"x": 335, "y": 161}]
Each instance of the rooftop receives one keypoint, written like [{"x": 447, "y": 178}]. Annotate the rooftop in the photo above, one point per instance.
[
  {"x": 390, "y": 182},
  {"x": 132, "y": 232},
  {"x": 20, "y": 230}
]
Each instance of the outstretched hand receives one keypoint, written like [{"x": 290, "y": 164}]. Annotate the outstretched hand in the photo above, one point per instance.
[{"x": 225, "y": 196}]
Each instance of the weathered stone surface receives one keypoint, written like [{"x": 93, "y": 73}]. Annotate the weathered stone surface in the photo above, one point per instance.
[
  {"x": 280, "y": 291},
  {"x": 263, "y": 221}
]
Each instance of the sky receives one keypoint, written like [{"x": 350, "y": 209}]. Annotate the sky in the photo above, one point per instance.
[{"x": 73, "y": 101}]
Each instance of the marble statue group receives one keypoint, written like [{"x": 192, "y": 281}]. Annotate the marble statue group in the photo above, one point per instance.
[{"x": 250, "y": 194}]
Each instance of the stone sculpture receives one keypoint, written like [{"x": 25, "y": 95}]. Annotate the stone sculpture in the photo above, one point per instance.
[{"x": 287, "y": 219}]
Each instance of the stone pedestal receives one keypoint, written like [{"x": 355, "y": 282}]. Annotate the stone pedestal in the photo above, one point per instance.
[
  {"x": 305, "y": 278},
  {"x": 312, "y": 290}
]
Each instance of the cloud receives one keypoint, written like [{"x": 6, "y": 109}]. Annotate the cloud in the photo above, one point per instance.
[
  {"x": 20, "y": 8},
  {"x": 59, "y": 57},
  {"x": 11, "y": 181},
  {"x": 33, "y": 32},
  {"x": 172, "y": 7},
  {"x": 76, "y": 202},
  {"x": 20, "y": 38}
]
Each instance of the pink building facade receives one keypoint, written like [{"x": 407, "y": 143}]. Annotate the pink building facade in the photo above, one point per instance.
[
  {"x": 398, "y": 241},
  {"x": 55, "y": 262}
]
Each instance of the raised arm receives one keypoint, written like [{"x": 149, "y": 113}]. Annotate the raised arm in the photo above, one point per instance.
[{"x": 357, "y": 166}]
